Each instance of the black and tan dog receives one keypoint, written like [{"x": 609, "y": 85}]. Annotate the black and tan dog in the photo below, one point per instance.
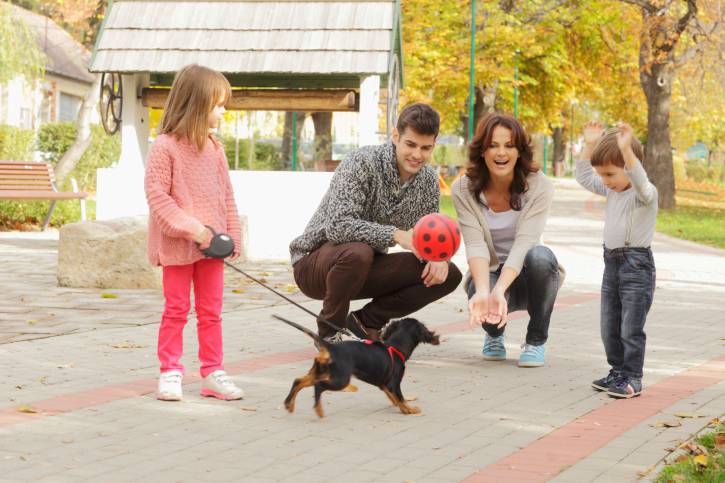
[{"x": 381, "y": 364}]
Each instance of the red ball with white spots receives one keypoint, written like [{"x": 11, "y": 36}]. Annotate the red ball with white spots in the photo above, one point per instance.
[{"x": 436, "y": 237}]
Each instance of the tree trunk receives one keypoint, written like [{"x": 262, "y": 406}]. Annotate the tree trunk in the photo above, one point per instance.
[
  {"x": 286, "y": 151},
  {"x": 323, "y": 137},
  {"x": 83, "y": 137},
  {"x": 656, "y": 80},
  {"x": 559, "y": 150}
]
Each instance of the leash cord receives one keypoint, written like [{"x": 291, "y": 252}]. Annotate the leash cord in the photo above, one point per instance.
[{"x": 330, "y": 324}]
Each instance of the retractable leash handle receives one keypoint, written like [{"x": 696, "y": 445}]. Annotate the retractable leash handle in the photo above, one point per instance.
[
  {"x": 220, "y": 246},
  {"x": 330, "y": 324}
]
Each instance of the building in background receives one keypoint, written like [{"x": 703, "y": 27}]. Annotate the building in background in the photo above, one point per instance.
[{"x": 56, "y": 97}]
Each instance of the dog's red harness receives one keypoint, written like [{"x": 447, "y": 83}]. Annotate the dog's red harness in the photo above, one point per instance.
[{"x": 392, "y": 351}]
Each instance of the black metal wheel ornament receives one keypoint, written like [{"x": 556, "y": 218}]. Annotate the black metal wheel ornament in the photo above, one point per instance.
[{"x": 111, "y": 102}]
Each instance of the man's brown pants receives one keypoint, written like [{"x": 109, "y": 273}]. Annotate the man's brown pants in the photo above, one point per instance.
[{"x": 337, "y": 274}]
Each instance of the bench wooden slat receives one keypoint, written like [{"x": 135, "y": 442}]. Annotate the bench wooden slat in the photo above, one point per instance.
[
  {"x": 40, "y": 195},
  {"x": 29, "y": 181},
  {"x": 22, "y": 172}
]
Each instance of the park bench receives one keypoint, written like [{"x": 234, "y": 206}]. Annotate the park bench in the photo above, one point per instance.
[{"x": 35, "y": 181}]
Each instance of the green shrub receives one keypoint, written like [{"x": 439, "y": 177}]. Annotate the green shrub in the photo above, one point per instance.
[
  {"x": 450, "y": 155},
  {"x": 265, "y": 155},
  {"x": 55, "y": 139},
  {"x": 20, "y": 215},
  {"x": 16, "y": 144},
  {"x": 696, "y": 170},
  {"x": 678, "y": 167}
]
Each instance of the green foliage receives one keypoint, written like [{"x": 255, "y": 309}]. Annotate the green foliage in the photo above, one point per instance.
[
  {"x": 16, "y": 144},
  {"x": 710, "y": 469},
  {"x": 698, "y": 170},
  {"x": 29, "y": 215},
  {"x": 19, "y": 51},
  {"x": 450, "y": 155},
  {"x": 54, "y": 139},
  {"x": 266, "y": 156}
]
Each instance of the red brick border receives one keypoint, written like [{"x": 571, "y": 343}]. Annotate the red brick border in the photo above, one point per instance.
[{"x": 544, "y": 458}]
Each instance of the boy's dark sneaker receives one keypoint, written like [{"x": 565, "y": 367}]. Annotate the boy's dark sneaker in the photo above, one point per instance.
[
  {"x": 625, "y": 388},
  {"x": 604, "y": 383}
]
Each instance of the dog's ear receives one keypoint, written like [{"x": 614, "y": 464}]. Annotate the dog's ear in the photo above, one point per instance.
[{"x": 427, "y": 336}]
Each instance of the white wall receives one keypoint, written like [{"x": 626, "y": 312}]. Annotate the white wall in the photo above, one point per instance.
[{"x": 277, "y": 204}]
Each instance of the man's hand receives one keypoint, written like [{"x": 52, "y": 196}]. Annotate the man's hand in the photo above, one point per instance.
[
  {"x": 478, "y": 308},
  {"x": 404, "y": 239},
  {"x": 497, "y": 308},
  {"x": 434, "y": 273}
]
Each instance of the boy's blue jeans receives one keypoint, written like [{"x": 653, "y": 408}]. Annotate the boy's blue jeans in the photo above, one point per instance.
[
  {"x": 534, "y": 290},
  {"x": 628, "y": 287}
]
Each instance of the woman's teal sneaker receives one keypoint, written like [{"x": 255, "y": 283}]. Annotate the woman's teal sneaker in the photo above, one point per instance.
[
  {"x": 493, "y": 348},
  {"x": 531, "y": 355}
]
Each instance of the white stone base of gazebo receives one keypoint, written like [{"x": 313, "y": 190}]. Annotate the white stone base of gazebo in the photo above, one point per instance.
[{"x": 276, "y": 204}]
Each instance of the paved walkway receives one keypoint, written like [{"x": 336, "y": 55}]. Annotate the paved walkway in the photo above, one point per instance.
[{"x": 79, "y": 371}]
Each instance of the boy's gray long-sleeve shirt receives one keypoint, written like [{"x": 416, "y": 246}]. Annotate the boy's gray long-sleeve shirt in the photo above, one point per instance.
[
  {"x": 366, "y": 202},
  {"x": 630, "y": 216}
]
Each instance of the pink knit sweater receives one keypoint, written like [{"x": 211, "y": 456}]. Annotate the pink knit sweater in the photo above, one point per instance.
[{"x": 187, "y": 189}]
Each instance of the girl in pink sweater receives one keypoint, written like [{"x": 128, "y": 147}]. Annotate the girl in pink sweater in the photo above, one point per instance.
[{"x": 188, "y": 189}]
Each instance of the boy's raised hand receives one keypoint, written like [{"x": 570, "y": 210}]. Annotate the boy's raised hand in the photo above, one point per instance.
[
  {"x": 624, "y": 137},
  {"x": 593, "y": 130}
]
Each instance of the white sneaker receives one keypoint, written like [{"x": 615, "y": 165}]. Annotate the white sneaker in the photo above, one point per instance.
[
  {"x": 169, "y": 386},
  {"x": 218, "y": 385}
]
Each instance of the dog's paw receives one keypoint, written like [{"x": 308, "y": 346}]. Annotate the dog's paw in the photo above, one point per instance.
[
  {"x": 413, "y": 410},
  {"x": 289, "y": 406}
]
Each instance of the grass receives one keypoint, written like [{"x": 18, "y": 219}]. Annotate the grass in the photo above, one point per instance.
[
  {"x": 707, "y": 468},
  {"x": 446, "y": 207},
  {"x": 697, "y": 224}
]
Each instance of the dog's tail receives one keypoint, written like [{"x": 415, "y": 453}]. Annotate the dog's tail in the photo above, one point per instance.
[{"x": 297, "y": 326}]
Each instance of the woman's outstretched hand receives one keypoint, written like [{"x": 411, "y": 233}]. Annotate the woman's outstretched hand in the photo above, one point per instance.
[
  {"x": 497, "y": 309},
  {"x": 478, "y": 309}
]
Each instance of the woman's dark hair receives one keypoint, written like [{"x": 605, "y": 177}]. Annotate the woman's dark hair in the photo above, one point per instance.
[
  {"x": 477, "y": 171},
  {"x": 421, "y": 118}
]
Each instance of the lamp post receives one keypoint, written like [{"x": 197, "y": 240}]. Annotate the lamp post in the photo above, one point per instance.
[
  {"x": 516, "y": 83},
  {"x": 294, "y": 141},
  {"x": 574, "y": 102},
  {"x": 472, "y": 76}
]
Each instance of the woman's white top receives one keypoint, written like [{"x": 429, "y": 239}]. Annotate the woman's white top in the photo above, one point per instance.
[{"x": 503, "y": 230}]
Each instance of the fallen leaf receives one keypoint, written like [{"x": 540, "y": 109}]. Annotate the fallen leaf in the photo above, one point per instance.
[
  {"x": 263, "y": 274},
  {"x": 23, "y": 457},
  {"x": 263, "y": 280},
  {"x": 256, "y": 297},
  {"x": 248, "y": 409},
  {"x": 688, "y": 415},
  {"x": 109, "y": 296},
  {"x": 27, "y": 409},
  {"x": 18, "y": 386},
  {"x": 32, "y": 322},
  {"x": 714, "y": 422},
  {"x": 66, "y": 366},
  {"x": 238, "y": 290},
  {"x": 127, "y": 345},
  {"x": 291, "y": 288},
  {"x": 42, "y": 379},
  {"x": 68, "y": 440},
  {"x": 667, "y": 424},
  {"x": 645, "y": 472},
  {"x": 701, "y": 460},
  {"x": 720, "y": 442},
  {"x": 682, "y": 458},
  {"x": 670, "y": 449}
]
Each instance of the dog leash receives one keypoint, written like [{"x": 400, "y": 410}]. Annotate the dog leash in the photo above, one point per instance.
[{"x": 345, "y": 331}]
